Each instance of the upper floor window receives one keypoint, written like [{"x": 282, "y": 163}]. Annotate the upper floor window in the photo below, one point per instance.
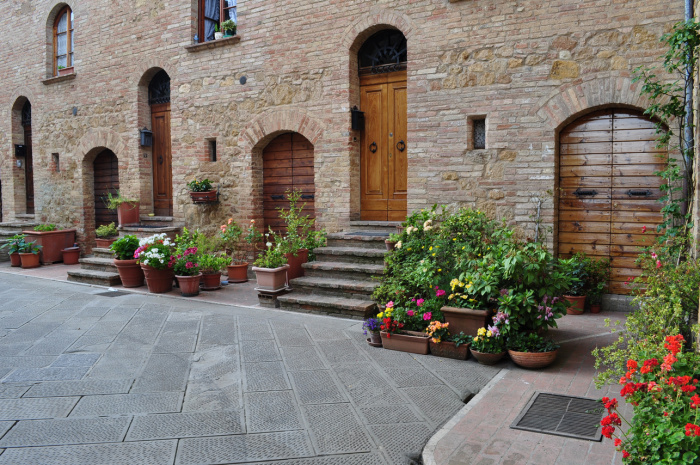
[
  {"x": 212, "y": 13},
  {"x": 63, "y": 40}
]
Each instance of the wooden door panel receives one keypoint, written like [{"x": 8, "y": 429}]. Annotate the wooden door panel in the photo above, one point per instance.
[
  {"x": 585, "y": 181},
  {"x": 106, "y": 173},
  {"x": 584, "y": 226},
  {"x": 162, "y": 160},
  {"x": 632, "y": 122},
  {"x": 583, "y": 136},
  {"x": 373, "y": 151},
  {"x": 398, "y": 144},
  {"x": 28, "y": 170},
  {"x": 626, "y": 159},
  {"x": 640, "y": 182},
  {"x": 576, "y": 204},
  {"x": 633, "y": 228},
  {"x": 586, "y": 148},
  {"x": 586, "y": 159},
  {"x": 585, "y": 170},
  {"x": 590, "y": 248},
  {"x": 654, "y": 194},
  {"x": 586, "y": 215},
  {"x": 584, "y": 238},
  {"x": 585, "y": 193},
  {"x": 591, "y": 123}
]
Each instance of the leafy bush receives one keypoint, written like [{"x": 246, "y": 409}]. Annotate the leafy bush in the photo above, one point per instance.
[
  {"x": 531, "y": 342},
  {"x": 30, "y": 247},
  {"x": 124, "y": 247},
  {"x": 45, "y": 227},
  {"x": 212, "y": 263},
  {"x": 107, "y": 230},
  {"x": 112, "y": 202},
  {"x": 200, "y": 186},
  {"x": 272, "y": 257},
  {"x": 14, "y": 244},
  {"x": 185, "y": 263}
]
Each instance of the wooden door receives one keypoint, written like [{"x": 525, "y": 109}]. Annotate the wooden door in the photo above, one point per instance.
[
  {"x": 288, "y": 164},
  {"x": 106, "y": 172},
  {"x": 28, "y": 170},
  {"x": 384, "y": 147},
  {"x": 608, "y": 190},
  {"x": 162, "y": 160}
]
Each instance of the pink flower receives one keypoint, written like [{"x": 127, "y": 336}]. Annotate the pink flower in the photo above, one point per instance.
[
  {"x": 439, "y": 293},
  {"x": 410, "y": 313},
  {"x": 644, "y": 229},
  {"x": 189, "y": 265},
  {"x": 390, "y": 304},
  {"x": 653, "y": 255},
  {"x": 230, "y": 220},
  {"x": 658, "y": 263},
  {"x": 419, "y": 302},
  {"x": 427, "y": 316}
]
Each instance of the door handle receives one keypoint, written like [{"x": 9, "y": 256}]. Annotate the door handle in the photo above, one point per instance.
[
  {"x": 644, "y": 193},
  {"x": 160, "y": 160},
  {"x": 578, "y": 192},
  {"x": 373, "y": 147},
  {"x": 277, "y": 197},
  {"x": 307, "y": 197},
  {"x": 401, "y": 146}
]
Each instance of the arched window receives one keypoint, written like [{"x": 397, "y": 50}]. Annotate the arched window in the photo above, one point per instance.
[
  {"x": 383, "y": 52},
  {"x": 63, "y": 40}
]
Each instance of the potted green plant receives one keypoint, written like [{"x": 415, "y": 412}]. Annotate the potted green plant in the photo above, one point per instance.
[
  {"x": 64, "y": 70},
  {"x": 51, "y": 241},
  {"x": 576, "y": 296},
  {"x": 29, "y": 255},
  {"x": 128, "y": 267},
  {"x": 127, "y": 209},
  {"x": 598, "y": 272},
  {"x": 202, "y": 191},
  {"x": 13, "y": 245},
  {"x": 229, "y": 27},
  {"x": 154, "y": 255},
  {"x": 230, "y": 235},
  {"x": 185, "y": 265},
  {"x": 71, "y": 255},
  {"x": 372, "y": 327},
  {"x": 217, "y": 33},
  {"x": 106, "y": 234},
  {"x": 396, "y": 337},
  {"x": 210, "y": 265},
  {"x": 466, "y": 310},
  {"x": 391, "y": 242},
  {"x": 271, "y": 269},
  {"x": 487, "y": 346},
  {"x": 443, "y": 344},
  {"x": 530, "y": 350}
]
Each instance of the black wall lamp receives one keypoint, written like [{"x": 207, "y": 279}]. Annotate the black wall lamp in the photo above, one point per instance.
[
  {"x": 20, "y": 150},
  {"x": 146, "y": 137},
  {"x": 358, "y": 119}
]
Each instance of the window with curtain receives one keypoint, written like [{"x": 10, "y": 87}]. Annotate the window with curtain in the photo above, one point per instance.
[
  {"x": 213, "y": 13},
  {"x": 63, "y": 40}
]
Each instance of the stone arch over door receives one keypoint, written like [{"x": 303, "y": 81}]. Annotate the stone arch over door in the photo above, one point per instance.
[
  {"x": 608, "y": 193},
  {"x": 22, "y": 173}
]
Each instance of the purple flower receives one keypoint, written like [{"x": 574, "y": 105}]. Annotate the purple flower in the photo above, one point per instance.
[
  {"x": 504, "y": 291},
  {"x": 494, "y": 331}
]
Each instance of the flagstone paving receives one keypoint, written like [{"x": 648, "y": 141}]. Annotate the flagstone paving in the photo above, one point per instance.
[{"x": 139, "y": 379}]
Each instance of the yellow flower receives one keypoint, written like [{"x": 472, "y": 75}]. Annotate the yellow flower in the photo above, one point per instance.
[
  {"x": 431, "y": 248},
  {"x": 489, "y": 334},
  {"x": 439, "y": 270},
  {"x": 454, "y": 238},
  {"x": 380, "y": 315},
  {"x": 451, "y": 296},
  {"x": 422, "y": 247},
  {"x": 433, "y": 254},
  {"x": 463, "y": 247},
  {"x": 481, "y": 331},
  {"x": 409, "y": 248}
]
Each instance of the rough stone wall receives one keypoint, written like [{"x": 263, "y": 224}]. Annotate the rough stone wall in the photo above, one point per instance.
[{"x": 529, "y": 66}]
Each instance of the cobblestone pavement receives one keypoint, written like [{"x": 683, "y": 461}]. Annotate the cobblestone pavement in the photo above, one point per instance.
[{"x": 138, "y": 379}]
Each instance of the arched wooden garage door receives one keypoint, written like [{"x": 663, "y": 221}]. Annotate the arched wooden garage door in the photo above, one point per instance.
[
  {"x": 288, "y": 164},
  {"x": 608, "y": 190},
  {"x": 106, "y": 169}
]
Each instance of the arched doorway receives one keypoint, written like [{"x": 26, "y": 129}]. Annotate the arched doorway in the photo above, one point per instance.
[
  {"x": 608, "y": 189},
  {"x": 28, "y": 162},
  {"x": 159, "y": 101},
  {"x": 288, "y": 164},
  {"x": 384, "y": 145},
  {"x": 106, "y": 176}
]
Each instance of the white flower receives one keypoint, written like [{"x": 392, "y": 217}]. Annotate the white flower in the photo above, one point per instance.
[
  {"x": 398, "y": 245},
  {"x": 427, "y": 224},
  {"x": 427, "y": 228},
  {"x": 269, "y": 244}
]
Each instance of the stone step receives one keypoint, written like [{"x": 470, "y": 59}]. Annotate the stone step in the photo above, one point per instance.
[
  {"x": 101, "y": 278},
  {"x": 102, "y": 252},
  {"x": 343, "y": 270},
  {"x": 347, "y": 288},
  {"x": 387, "y": 227},
  {"x": 147, "y": 230},
  {"x": 367, "y": 240},
  {"x": 156, "y": 220},
  {"x": 350, "y": 255},
  {"x": 327, "y": 305},
  {"x": 98, "y": 264}
]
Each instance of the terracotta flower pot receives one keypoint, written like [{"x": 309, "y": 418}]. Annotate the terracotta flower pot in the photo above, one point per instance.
[
  {"x": 375, "y": 339},
  {"x": 577, "y": 302},
  {"x": 104, "y": 242},
  {"x": 71, "y": 256},
  {"x": 203, "y": 197},
  {"x": 295, "y": 268},
  {"x": 211, "y": 281},
  {"x": 29, "y": 260},
  {"x": 189, "y": 285},
  {"x": 465, "y": 320},
  {"x": 407, "y": 341},
  {"x": 52, "y": 243},
  {"x": 389, "y": 244},
  {"x": 158, "y": 281},
  {"x": 130, "y": 273},
  {"x": 238, "y": 273},
  {"x": 128, "y": 213},
  {"x": 15, "y": 260},
  {"x": 486, "y": 358},
  {"x": 271, "y": 279},
  {"x": 533, "y": 359},
  {"x": 66, "y": 71},
  {"x": 595, "y": 308},
  {"x": 449, "y": 350}
]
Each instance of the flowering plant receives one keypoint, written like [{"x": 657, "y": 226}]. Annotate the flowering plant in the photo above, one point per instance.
[
  {"x": 664, "y": 394},
  {"x": 155, "y": 251},
  {"x": 186, "y": 263},
  {"x": 372, "y": 325},
  {"x": 200, "y": 186},
  {"x": 230, "y": 234},
  {"x": 488, "y": 342},
  {"x": 438, "y": 331},
  {"x": 417, "y": 314},
  {"x": 212, "y": 263},
  {"x": 390, "y": 326},
  {"x": 272, "y": 257}
]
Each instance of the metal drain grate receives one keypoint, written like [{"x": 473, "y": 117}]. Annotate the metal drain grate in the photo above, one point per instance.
[
  {"x": 573, "y": 417},
  {"x": 112, "y": 293}
]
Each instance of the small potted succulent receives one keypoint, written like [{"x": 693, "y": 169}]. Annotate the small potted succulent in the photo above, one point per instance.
[
  {"x": 29, "y": 255},
  {"x": 372, "y": 327},
  {"x": 217, "y": 33},
  {"x": 14, "y": 244},
  {"x": 129, "y": 270},
  {"x": 530, "y": 350},
  {"x": 202, "y": 191},
  {"x": 185, "y": 265},
  {"x": 106, "y": 235},
  {"x": 127, "y": 209},
  {"x": 487, "y": 346},
  {"x": 229, "y": 27},
  {"x": 271, "y": 269}
]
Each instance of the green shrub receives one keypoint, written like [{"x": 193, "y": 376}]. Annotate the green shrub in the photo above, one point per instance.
[
  {"x": 124, "y": 247},
  {"x": 45, "y": 227},
  {"x": 107, "y": 230}
]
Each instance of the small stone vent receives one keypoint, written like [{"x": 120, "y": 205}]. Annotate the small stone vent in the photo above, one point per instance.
[{"x": 569, "y": 416}]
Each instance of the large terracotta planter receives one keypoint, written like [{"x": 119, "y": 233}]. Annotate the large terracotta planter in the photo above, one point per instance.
[
  {"x": 71, "y": 256},
  {"x": 203, "y": 197},
  {"x": 271, "y": 279},
  {"x": 533, "y": 359},
  {"x": 15, "y": 260},
  {"x": 486, "y": 358},
  {"x": 295, "y": 268},
  {"x": 158, "y": 281},
  {"x": 104, "y": 242},
  {"x": 29, "y": 260},
  {"x": 128, "y": 213},
  {"x": 577, "y": 302},
  {"x": 449, "y": 350},
  {"x": 189, "y": 285},
  {"x": 465, "y": 320},
  {"x": 130, "y": 272},
  {"x": 407, "y": 341},
  {"x": 237, "y": 273},
  {"x": 52, "y": 243},
  {"x": 211, "y": 281}
]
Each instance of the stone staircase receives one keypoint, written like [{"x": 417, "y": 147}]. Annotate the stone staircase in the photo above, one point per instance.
[
  {"x": 341, "y": 280},
  {"x": 9, "y": 229},
  {"x": 96, "y": 269}
]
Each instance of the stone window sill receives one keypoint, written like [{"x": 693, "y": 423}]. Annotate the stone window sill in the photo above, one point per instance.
[
  {"x": 213, "y": 44},
  {"x": 55, "y": 79}
]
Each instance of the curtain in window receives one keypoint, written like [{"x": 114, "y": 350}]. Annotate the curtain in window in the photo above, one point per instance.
[
  {"x": 230, "y": 10},
  {"x": 211, "y": 18},
  {"x": 62, "y": 41}
]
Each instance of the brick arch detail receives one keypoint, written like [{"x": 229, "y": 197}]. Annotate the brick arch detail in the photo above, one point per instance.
[
  {"x": 375, "y": 20},
  {"x": 573, "y": 100},
  {"x": 270, "y": 124}
]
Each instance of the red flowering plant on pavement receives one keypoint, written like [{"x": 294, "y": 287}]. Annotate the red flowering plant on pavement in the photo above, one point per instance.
[{"x": 663, "y": 391}]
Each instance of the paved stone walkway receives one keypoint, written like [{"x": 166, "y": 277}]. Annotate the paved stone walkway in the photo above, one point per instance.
[{"x": 137, "y": 379}]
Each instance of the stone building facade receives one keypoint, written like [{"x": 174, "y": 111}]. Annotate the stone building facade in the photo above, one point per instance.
[{"x": 528, "y": 67}]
